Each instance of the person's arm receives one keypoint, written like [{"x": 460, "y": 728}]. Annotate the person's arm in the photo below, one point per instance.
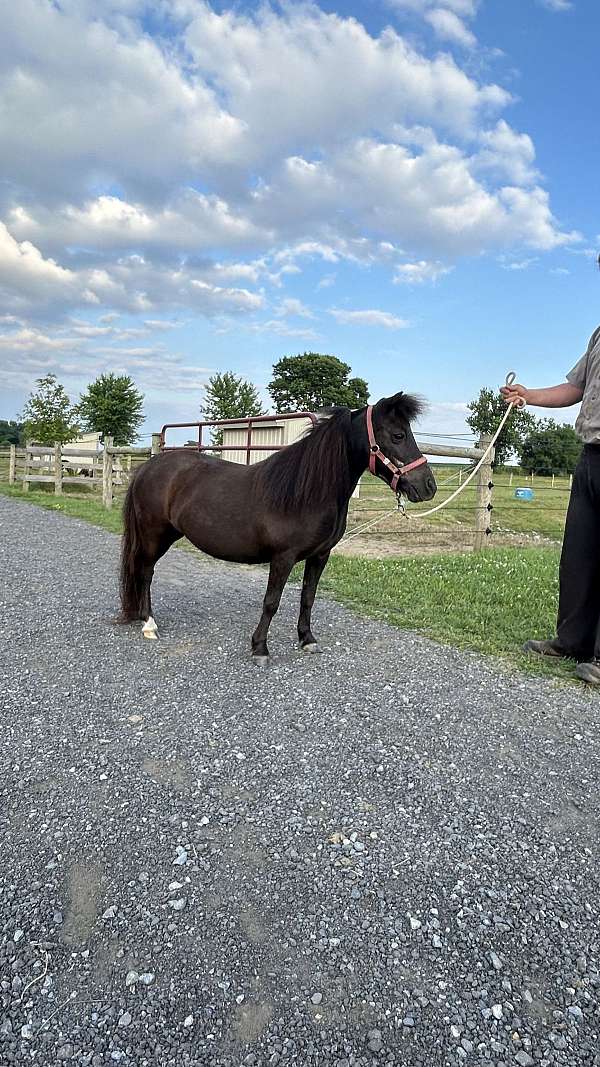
[{"x": 555, "y": 396}]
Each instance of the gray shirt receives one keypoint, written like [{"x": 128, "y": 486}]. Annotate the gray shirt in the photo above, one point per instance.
[{"x": 586, "y": 375}]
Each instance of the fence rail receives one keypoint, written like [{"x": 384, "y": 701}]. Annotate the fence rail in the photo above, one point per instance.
[{"x": 109, "y": 469}]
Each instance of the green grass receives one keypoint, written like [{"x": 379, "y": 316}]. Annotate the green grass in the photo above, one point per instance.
[
  {"x": 544, "y": 515},
  {"x": 78, "y": 506},
  {"x": 490, "y": 602}
]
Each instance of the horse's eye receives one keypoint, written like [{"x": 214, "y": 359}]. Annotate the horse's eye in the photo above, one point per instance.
[{"x": 399, "y": 436}]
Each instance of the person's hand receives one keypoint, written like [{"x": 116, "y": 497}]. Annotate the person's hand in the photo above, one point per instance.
[{"x": 515, "y": 394}]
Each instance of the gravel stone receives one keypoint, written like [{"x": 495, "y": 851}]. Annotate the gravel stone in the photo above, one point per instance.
[{"x": 389, "y": 778}]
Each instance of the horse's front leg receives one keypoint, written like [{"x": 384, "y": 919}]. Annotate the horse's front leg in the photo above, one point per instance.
[
  {"x": 279, "y": 573},
  {"x": 313, "y": 569}
]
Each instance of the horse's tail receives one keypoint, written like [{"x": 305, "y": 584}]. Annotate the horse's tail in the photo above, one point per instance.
[{"x": 131, "y": 551}]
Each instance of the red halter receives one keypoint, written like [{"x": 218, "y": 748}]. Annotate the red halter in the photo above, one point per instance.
[{"x": 375, "y": 454}]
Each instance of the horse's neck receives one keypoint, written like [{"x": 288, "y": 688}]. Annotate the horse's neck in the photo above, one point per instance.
[{"x": 358, "y": 450}]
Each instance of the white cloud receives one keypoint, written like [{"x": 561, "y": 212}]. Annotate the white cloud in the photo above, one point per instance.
[
  {"x": 29, "y": 353},
  {"x": 430, "y": 200},
  {"x": 509, "y": 154},
  {"x": 417, "y": 273},
  {"x": 190, "y": 222},
  {"x": 449, "y": 27},
  {"x": 368, "y": 318},
  {"x": 292, "y": 306},
  {"x": 557, "y": 5},
  {"x": 184, "y": 174},
  {"x": 283, "y": 329},
  {"x": 36, "y": 284},
  {"x": 518, "y": 264}
]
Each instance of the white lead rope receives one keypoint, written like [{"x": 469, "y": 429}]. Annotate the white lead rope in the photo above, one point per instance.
[
  {"x": 469, "y": 478},
  {"x": 510, "y": 377}
]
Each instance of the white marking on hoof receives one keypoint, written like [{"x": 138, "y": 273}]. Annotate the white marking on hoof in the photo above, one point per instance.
[
  {"x": 312, "y": 648},
  {"x": 261, "y": 661},
  {"x": 150, "y": 629}
]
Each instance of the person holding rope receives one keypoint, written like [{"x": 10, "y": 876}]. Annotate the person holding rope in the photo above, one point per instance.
[{"x": 578, "y": 627}]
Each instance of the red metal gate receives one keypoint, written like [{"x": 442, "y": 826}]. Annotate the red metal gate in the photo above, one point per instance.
[{"x": 250, "y": 422}]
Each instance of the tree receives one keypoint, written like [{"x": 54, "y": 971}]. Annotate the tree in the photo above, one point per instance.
[
  {"x": 312, "y": 381},
  {"x": 113, "y": 407},
  {"x": 229, "y": 397},
  {"x": 550, "y": 448},
  {"x": 49, "y": 415},
  {"x": 487, "y": 410},
  {"x": 11, "y": 432}
]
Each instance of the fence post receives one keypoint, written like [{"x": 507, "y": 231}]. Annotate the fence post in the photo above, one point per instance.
[
  {"x": 155, "y": 446},
  {"x": 26, "y": 467},
  {"x": 12, "y": 464},
  {"x": 58, "y": 469},
  {"x": 483, "y": 514},
  {"x": 107, "y": 465}
]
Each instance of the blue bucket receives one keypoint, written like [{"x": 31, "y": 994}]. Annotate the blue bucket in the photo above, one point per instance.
[{"x": 524, "y": 494}]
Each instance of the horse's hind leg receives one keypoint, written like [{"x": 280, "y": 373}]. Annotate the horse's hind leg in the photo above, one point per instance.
[
  {"x": 313, "y": 569},
  {"x": 142, "y": 547},
  {"x": 152, "y": 553},
  {"x": 279, "y": 573}
]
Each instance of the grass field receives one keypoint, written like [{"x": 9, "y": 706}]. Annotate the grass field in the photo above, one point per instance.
[
  {"x": 490, "y": 602},
  {"x": 545, "y": 515}
]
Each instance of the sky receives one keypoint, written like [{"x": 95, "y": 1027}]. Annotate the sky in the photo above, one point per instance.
[{"x": 186, "y": 188}]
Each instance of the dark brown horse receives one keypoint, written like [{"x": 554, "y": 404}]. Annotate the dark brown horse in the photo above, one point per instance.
[{"x": 293, "y": 506}]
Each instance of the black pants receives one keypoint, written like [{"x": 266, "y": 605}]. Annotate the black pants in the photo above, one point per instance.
[{"x": 579, "y": 603}]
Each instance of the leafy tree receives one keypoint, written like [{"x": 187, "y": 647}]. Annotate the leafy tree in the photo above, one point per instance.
[
  {"x": 113, "y": 407},
  {"x": 11, "y": 432},
  {"x": 229, "y": 397},
  {"x": 48, "y": 415},
  {"x": 312, "y": 381},
  {"x": 487, "y": 410},
  {"x": 550, "y": 448}
]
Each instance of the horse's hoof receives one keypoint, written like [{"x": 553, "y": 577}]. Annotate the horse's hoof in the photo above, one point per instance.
[
  {"x": 150, "y": 629},
  {"x": 261, "y": 661},
  {"x": 312, "y": 648}
]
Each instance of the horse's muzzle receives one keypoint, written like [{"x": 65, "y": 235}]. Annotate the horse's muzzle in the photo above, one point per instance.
[{"x": 420, "y": 485}]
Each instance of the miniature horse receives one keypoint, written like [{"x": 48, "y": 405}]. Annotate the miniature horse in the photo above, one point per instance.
[{"x": 290, "y": 507}]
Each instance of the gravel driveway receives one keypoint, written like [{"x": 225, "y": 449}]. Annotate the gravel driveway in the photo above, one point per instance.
[{"x": 386, "y": 854}]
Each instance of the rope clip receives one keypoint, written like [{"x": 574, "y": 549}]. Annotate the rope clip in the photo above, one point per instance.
[{"x": 401, "y": 504}]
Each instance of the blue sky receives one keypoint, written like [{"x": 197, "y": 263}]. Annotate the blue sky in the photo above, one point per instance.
[{"x": 410, "y": 185}]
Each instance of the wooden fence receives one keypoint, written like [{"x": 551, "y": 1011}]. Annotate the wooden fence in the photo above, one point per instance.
[{"x": 107, "y": 471}]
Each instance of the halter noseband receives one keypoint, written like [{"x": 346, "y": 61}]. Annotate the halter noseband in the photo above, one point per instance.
[{"x": 375, "y": 454}]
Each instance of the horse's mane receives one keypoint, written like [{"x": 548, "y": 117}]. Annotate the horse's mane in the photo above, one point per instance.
[
  {"x": 313, "y": 470},
  {"x": 408, "y": 406}
]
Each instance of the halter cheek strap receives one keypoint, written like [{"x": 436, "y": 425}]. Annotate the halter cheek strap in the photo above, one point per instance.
[{"x": 375, "y": 454}]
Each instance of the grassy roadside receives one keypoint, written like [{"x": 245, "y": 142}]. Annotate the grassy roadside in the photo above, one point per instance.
[
  {"x": 76, "y": 506},
  {"x": 490, "y": 603}
]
